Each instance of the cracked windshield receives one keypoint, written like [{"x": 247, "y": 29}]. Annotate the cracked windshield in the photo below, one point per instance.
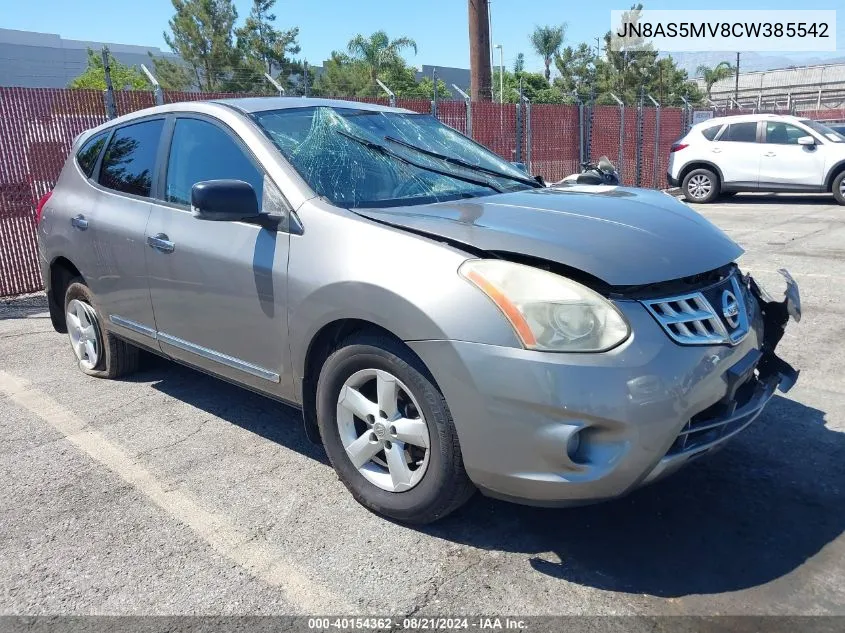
[{"x": 362, "y": 158}]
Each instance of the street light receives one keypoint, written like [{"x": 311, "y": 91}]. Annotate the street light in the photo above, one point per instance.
[{"x": 501, "y": 73}]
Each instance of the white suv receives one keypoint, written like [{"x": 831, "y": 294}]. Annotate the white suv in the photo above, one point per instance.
[{"x": 758, "y": 152}]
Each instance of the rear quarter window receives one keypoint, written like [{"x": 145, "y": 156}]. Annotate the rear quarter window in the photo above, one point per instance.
[
  {"x": 89, "y": 153},
  {"x": 710, "y": 132}
]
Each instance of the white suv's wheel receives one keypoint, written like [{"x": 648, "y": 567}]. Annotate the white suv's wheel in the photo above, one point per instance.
[
  {"x": 700, "y": 185},
  {"x": 839, "y": 188}
]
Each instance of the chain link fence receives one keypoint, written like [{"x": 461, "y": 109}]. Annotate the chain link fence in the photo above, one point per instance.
[{"x": 38, "y": 126}]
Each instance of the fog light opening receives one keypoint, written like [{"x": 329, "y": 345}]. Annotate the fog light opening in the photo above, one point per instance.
[{"x": 573, "y": 443}]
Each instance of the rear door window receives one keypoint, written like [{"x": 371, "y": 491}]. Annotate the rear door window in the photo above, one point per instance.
[
  {"x": 740, "y": 132},
  {"x": 201, "y": 150},
  {"x": 89, "y": 153},
  {"x": 129, "y": 160}
]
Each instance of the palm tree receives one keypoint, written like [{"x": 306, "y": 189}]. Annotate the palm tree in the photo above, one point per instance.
[
  {"x": 720, "y": 71},
  {"x": 378, "y": 51},
  {"x": 547, "y": 41}
]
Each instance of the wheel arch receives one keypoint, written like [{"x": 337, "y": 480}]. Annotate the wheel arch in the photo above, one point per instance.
[
  {"x": 701, "y": 164},
  {"x": 62, "y": 271},
  {"x": 320, "y": 347},
  {"x": 834, "y": 171}
]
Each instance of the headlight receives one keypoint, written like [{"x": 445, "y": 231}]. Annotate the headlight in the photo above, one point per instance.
[{"x": 547, "y": 311}]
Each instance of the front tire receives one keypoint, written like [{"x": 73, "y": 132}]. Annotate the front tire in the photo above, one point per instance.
[
  {"x": 700, "y": 185},
  {"x": 98, "y": 352},
  {"x": 388, "y": 432},
  {"x": 839, "y": 188}
]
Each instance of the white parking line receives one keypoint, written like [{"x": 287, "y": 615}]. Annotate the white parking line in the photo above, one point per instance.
[{"x": 259, "y": 557}]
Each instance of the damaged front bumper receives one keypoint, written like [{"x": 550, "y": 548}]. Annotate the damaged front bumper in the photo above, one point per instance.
[
  {"x": 567, "y": 429},
  {"x": 776, "y": 315},
  {"x": 751, "y": 384}
]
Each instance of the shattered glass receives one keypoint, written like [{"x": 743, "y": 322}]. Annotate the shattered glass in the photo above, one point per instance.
[{"x": 352, "y": 175}]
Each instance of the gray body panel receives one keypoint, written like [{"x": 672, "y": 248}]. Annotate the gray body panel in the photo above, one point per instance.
[
  {"x": 621, "y": 235},
  {"x": 245, "y": 303}
]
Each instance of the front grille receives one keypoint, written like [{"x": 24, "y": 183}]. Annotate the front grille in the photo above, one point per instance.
[{"x": 713, "y": 315}]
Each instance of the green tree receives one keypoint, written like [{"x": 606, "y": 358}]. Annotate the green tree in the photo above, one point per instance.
[
  {"x": 402, "y": 80},
  {"x": 378, "y": 52},
  {"x": 577, "y": 68},
  {"x": 94, "y": 75},
  {"x": 519, "y": 63},
  {"x": 260, "y": 40},
  {"x": 202, "y": 34},
  {"x": 720, "y": 71},
  {"x": 534, "y": 87},
  {"x": 546, "y": 41},
  {"x": 342, "y": 77},
  {"x": 172, "y": 75}
]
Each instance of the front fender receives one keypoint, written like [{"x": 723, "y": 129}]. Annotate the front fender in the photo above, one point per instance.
[{"x": 348, "y": 267}]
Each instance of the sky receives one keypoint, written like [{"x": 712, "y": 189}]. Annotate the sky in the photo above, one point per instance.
[{"x": 438, "y": 26}]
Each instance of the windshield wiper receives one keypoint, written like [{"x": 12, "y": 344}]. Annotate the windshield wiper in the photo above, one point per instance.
[
  {"x": 462, "y": 163},
  {"x": 381, "y": 149}
]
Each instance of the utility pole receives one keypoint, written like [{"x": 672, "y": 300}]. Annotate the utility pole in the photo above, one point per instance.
[
  {"x": 736, "y": 83},
  {"x": 479, "y": 50}
]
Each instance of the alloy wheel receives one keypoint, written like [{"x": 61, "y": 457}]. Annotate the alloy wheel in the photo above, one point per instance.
[
  {"x": 83, "y": 329},
  {"x": 383, "y": 430},
  {"x": 699, "y": 186}
]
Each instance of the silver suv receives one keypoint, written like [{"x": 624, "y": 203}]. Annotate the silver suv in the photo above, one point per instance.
[{"x": 444, "y": 321}]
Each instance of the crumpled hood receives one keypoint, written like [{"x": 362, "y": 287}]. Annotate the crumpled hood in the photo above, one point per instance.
[{"x": 622, "y": 236}]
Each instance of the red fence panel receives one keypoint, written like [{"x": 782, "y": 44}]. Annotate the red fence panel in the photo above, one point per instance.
[
  {"x": 37, "y": 129},
  {"x": 131, "y": 101},
  {"x": 423, "y": 106},
  {"x": 494, "y": 126},
  {"x": 453, "y": 114},
  {"x": 554, "y": 141},
  {"x": 605, "y": 133},
  {"x": 829, "y": 114},
  {"x": 671, "y": 129}
]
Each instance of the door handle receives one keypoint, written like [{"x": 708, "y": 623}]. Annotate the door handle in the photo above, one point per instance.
[
  {"x": 770, "y": 154},
  {"x": 161, "y": 243},
  {"x": 79, "y": 222},
  {"x": 716, "y": 150}
]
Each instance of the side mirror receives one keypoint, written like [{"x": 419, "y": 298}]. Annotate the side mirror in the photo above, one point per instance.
[
  {"x": 806, "y": 140},
  {"x": 224, "y": 200}
]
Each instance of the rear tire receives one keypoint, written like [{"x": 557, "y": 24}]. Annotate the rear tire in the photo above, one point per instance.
[
  {"x": 839, "y": 188},
  {"x": 701, "y": 186},
  {"x": 370, "y": 365},
  {"x": 98, "y": 352}
]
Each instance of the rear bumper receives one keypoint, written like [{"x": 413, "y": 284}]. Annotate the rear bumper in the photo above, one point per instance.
[{"x": 671, "y": 181}]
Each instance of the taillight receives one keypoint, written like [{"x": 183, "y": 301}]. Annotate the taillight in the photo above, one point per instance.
[
  {"x": 39, "y": 209},
  {"x": 677, "y": 147}
]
